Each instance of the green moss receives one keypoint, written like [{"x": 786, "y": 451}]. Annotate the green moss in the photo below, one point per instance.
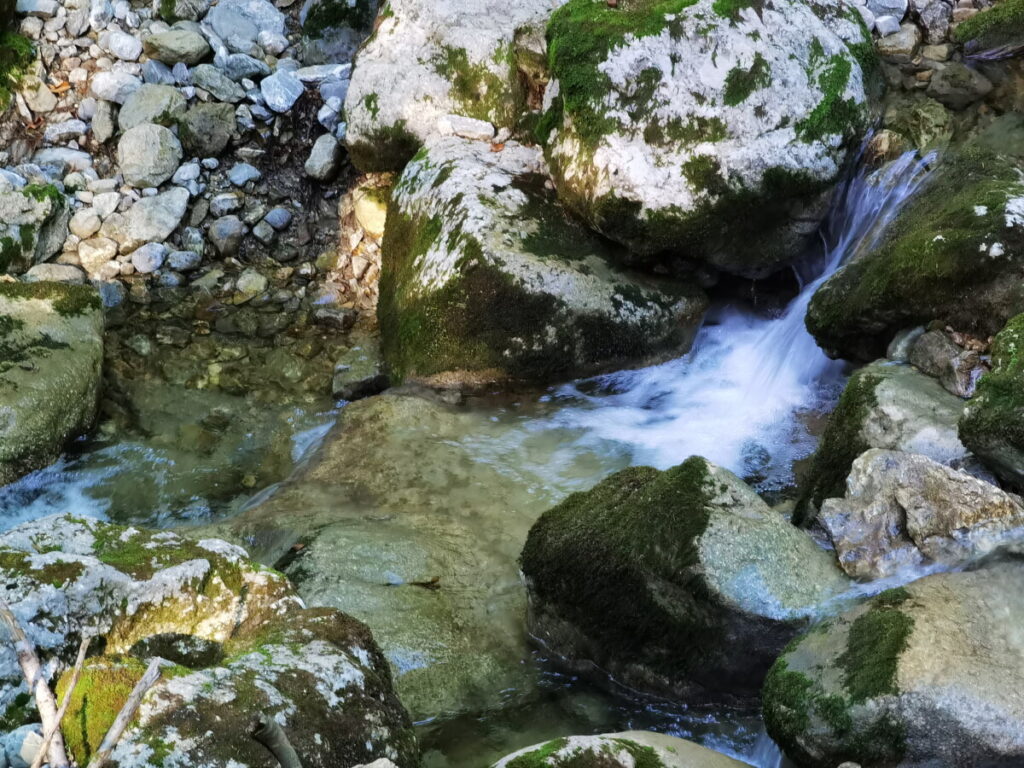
[
  {"x": 481, "y": 92},
  {"x": 1001, "y": 24},
  {"x": 840, "y": 445},
  {"x": 167, "y": 11},
  {"x": 326, "y": 15},
  {"x": 740, "y": 83},
  {"x": 16, "y": 56},
  {"x": 538, "y": 757},
  {"x": 834, "y": 115},
  {"x": 68, "y": 300},
  {"x": 730, "y": 9},
  {"x": 10, "y": 252},
  {"x": 875, "y": 642},
  {"x": 388, "y": 149},
  {"x": 40, "y": 192},
  {"x": 788, "y": 693},
  {"x": 372, "y": 103}
]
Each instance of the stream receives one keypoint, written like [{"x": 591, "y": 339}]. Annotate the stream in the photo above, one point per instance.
[{"x": 746, "y": 397}]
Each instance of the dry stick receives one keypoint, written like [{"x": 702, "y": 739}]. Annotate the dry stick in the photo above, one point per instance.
[
  {"x": 65, "y": 702},
  {"x": 124, "y": 717},
  {"x": 33, "y": 672}
]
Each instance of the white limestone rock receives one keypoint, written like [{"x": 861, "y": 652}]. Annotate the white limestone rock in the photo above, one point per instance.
[{"x": 148, "y": 154}]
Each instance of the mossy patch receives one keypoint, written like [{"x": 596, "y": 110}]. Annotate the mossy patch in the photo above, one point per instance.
[
  {"x": 68, "y": 300},
  {"x": 16, "y": 56},
  {"x": 487, "y": 91},
  {"x": 389, "y": 148},
  {"x": 326, "y": 15},
  {"x": 834, "y": 115},
  {"x": 740, "y": 82},
  {"x": 1000, "y": 24}
]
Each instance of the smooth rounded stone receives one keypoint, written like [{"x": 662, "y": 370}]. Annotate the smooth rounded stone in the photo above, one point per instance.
[
  {"x": 56, "y": 330},
  {"x": 281, "y": 90},
  {"x": 928, "y": 674},
  {"x": 887, "y": 25},
  {"x": 220, "y": 86},
  {"x": 958, "y": 86},
  {"x": 956, "y": 368},
  {"x": 105, "y": 203},
  {"x": 359, "y": 373},
  {"x": 206, "y": 129},
  {"x": 715, "y": 134},
  {"x": 487, "y": 262},
  {"x": 928, "y": 266},
  {"x": 33, "y": 223},
  {"x": 177, "y": 45},
  {"x": 904, "y": 511},
  {"x": 113, "y": 86},
  {"x": 57, "y": 133},
  {"x": 149, "y": 257},
  {"x": 84, "y": 223},
  {"x": 657, "y": 577},
  {"x": 885, "y": 405},
  {"x": 226, "y": 235},
  {"x": 324, "y": 158},
  {"x": 160, "y": 104},
  {"x": 426, "y": 60},
  {"x": 263, "y": 232},
  {"x": 279, "y": 218},
  {"x": 54, "y": 273},
  {"x": 37, "y": 95},
  {"x": 992, "y": 425},
  {"x": 242, "y": 173},
  {"x": 239, "y": 23},
  {"x": 153, "y": 219},
  {"x": 183, "y": 261},
  {"x": 239, "y": 66},
  {"x": 897, "y": 8},
  {"x": 249, "y": 285},
  {"x": 142, "y": 593},
  {"x": 124, "y": 46},
  {"x": 628, "y": 749},
  {"x": 177, "y": 10},
  {"x": 186, "y": 172},
  {"x": 157, "y": 73},
  {"x": 902, "y": 46},
  {"x": 22, "y": 745},
  {"x": 96, "y": 252},
  {"x": 103, "y": 124},
  {"x": 148, "y": 155}
]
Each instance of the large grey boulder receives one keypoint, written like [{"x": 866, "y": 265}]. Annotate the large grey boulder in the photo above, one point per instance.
[
  {"x": 33, "y": 224},
  {"x": 148, "y": 155},
  {"x": 485, "y": 278},
  {"x": 51, "y": 352},
  {"x": 619, "y": 750},
  {"x": 929, "y": 674},
  {"x": 659, "y": 578},
  {"x": 903, "y": 511},
  {"x": 174, "y": 45},
  {"x": 160, "y": 104},
  {"x": 206, "y": 129}
]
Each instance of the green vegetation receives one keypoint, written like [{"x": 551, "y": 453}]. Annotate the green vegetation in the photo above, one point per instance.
[
  {"x": 16, "y": 56},
  {"x": 326, "y": 15},
  {"x": 481, "y": 92},
  {"x": 730, "y": 9},
  {"x": 388, "y": 149},
  {"x": 68, "y": 300},
  {"x": 740, "y": 83},
  {"x": 1002, "y": 24},
  {"x": 876, "y": 640},
  {"x": 834, "y": 115}
]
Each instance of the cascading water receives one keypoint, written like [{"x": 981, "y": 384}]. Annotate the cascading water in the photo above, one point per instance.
[{"x": 736, "y": 396}]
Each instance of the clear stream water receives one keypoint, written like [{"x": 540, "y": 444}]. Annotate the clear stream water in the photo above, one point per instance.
[{"x": 742, "y": 397}]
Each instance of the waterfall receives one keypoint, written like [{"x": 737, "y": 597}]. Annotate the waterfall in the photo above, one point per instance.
[{"x": 737, "y": 397}]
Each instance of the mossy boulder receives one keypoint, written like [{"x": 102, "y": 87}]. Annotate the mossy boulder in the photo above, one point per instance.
[
  {"x": 33, "y": 223},
  {"x": 929, "y": 674},
  {"x": 993, "y": 421},
  {"x": 884, "y": 405},
  {"x": 426, "y": 60},
  {"x": 333, "y": 29},
  {"x": 999, "y": 25},
  {"x": 711, "y": 129},
  {"x": 661, "y": 578},
  {"x": 922, "y": 121},
  {"x": 16, "y": 55},
  {"x": 954, "y": 253},
  {"x": 484, "y": 278},
  {"x": 630, "y": 749},
  {"x": 51, "y": 354},
  {"x": 238, "y": 640}
]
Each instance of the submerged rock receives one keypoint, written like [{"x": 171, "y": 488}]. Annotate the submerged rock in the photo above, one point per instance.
[
  {"x": 903, "y": 511},
  {"x": 484, "y": 278},
  {"x": 929, "y": 674},
  {"x": 885, "y": 405},
  {"x": 619, "y": 750},
  {"x": 51, "y": 352},
  {"x": 659, "y": 578},
  {"x": 955, "y": 253},
  {"x": 426, "y": 60},
  {"x": 711, "y": 129},
  {"x": 237, "y": 640}
]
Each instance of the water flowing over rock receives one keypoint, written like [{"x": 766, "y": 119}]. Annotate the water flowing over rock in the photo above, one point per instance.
[
  {"x": 620, "y": 750},
  {"x": 237, "y": 640},
  {"x": 885, "y": 405},
  {"x": 658, "y": 578},
  {"x": 903, "y": 511},
  {"x": 929, "y": 674},
  {"x": 51, "y": 349},
  {"x": 486, "y": 279},
  {"x": 755, "y": 107},
  {"x": 428, "y": 59}
]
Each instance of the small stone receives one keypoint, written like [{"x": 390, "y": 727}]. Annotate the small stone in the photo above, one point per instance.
[
  {"x": 43, "y": 9},
  {"x": 318, "y": 73},
  {"x": 264, "y": 232},
  {"x": 114, "y": 86},
  {"x": 371, "y": 210},
  {"x": 160, "y": 104},
  {"x": 226, "y": 235},
  {"x": 239, "y": 66},
  {"x": 37, "y": 96},
  {"x": 243, "y": 173},
  {"x": 177, "y": 45},
  {"x": 324, "y": 158},
  {"x": 958, "y": 86},
  {"x": 887, "y": 25},
  {"x": 225, "y": 203},
  {"x": 281, "y": 90},
  {"x": 103, "y": 122},
  {"x": 55, "y": 273},
  {"x": 183, "y": 261},
  {"x": 941, "y": 52},
  {"x": 95, "y": 252},
  {"x": 149, "y": 257},
  {"x": 58, "y": 133},
  {"x": 279, "y": 218},
  {"x": 148, "y": 155},
  {"x": 124, "y": 46},
  {"x": 249, "y": 285},
  {"x": 220, "y": 86},
  {"x": 105, "y": 203},
  {"x": 152, "y": 219},
  {"x": 85, "y": 223},
  {"x": 897, "y": 8},
  {"x": 900, "y": 47}
]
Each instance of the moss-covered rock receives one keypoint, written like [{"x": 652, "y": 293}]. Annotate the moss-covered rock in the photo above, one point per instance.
[
  {"x": 484, "y": 278},
  {"x": 885, "y": 405},
  {"x": 426, "y": 60},
  {"x": 923, "y": 122},
  {"x": 241, "y": 643},
  {"x": 707, "y": 128},
  {"x": 660, "y": 578},
  {"x": 333, "y": 29},
  {"x": 929, "y": 674},
  {"x": 51, "y": 353},
  {"x": 33, "y": 223},
  {"x": 1000, "y": 24},
  {"x": 993, "y": 421},
  {"x": 955, "y": 253},
  {"x": 631, "y": 749}
]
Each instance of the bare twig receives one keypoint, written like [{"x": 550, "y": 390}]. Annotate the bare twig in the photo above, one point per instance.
[
  {"x": 268, "y": 733},
  {"x": 127, "y": 713},
  {"x": 65, "y": 702},
  {"x": 37, "y": 687}
]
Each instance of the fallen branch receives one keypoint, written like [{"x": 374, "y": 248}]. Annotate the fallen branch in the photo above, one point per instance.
[
  {"x": 37, "y": 687},
  {"x": 65, "y": 702},
  {"x": 127, "y": 713},
  {"x": 268, "y": 733}
]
